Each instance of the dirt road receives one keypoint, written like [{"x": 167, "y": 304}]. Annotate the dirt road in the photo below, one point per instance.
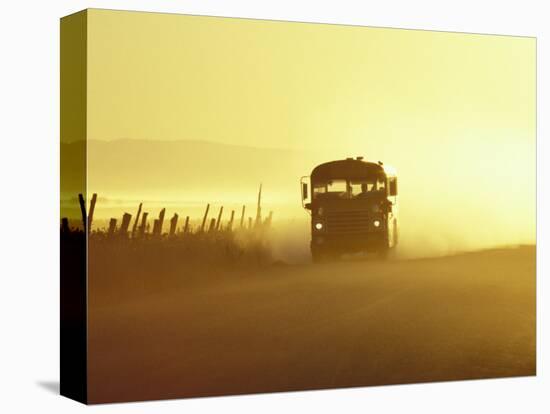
[{"x": 336, "y": 325}]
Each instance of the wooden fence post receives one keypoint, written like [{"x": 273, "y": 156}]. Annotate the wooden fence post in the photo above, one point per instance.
[
  {"x": 161, "y": 219},
  {"x": 91, "y": 213},
  {"x": 143, "y": 224},
  {"x": 230, "y": 224},
  {"x": 157, "y": 227},
  {"x": 204, "y": 218},
  {"x": 65, "y": 225},
  {"x": 259, "y": 208},
  {"x": 134, "y": 228},
  {"x": 125, "y": 224},
  {"x": 173, "y": 224},
  {"x": 186, "y": 227},
  {"x": 212, "y": 225},
  {"x": 112, "y": 226},
  {"x": 219, "y": 218},
  {"x": 268, "y": 220},
  {"x": 83, "y": 211}
]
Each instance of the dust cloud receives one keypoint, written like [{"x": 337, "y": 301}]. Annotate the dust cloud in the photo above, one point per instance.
[
  {"x": 453, "y": 198},
  {"x": 457, "y": 193}
]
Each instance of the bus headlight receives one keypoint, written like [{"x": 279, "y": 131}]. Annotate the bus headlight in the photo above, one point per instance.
[
  {"x": 319, "y": 226},
  {"x": 376, "y": 223}
]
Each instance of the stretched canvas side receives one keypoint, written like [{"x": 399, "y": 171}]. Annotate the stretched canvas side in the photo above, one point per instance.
[{"x": 73, "y": 197}]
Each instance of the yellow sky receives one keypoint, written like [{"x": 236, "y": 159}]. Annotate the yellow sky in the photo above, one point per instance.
[
  {"x": 295, "y": 85},
  {"x": 455, "y": 113}
]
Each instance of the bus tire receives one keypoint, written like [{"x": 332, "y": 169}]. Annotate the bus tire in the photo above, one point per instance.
[
  {"x": 322, "y": 256},
  {"x": 383, "y": 253},
  {"x": 395, "y": 234}
]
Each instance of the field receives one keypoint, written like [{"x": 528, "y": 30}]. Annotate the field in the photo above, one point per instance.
[{"x": 276, "y": 327}]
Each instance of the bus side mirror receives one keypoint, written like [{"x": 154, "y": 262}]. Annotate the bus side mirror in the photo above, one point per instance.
[
  {"x": 304, "y": 191},
  {"x": 393, "y": 187}
]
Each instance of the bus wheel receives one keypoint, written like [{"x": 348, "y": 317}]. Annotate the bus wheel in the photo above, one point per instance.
[
  {"x": 383, "y": 253},
  {"x": 321, "y": 256},
  {"x": 384, "y": 250},
  {"x": 395, "y": 234}
]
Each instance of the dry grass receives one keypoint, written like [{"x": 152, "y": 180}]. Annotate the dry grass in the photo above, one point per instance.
[{"x": 121, "y": 268}]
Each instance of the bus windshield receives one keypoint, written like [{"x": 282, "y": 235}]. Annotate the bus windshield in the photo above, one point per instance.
[{"x": 350, "y": 189}]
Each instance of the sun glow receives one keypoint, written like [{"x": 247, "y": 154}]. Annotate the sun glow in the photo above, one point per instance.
[{"x": 454, "y": 113}]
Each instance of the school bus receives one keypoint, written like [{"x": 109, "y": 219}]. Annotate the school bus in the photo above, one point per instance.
[{"x": 353, "y": 207}]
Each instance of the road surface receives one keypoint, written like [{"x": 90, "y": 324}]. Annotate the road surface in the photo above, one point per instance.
[{"x": 346, "y": 324}]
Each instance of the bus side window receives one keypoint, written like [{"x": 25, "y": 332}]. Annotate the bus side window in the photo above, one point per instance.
[{"x": 393, "y": 186}]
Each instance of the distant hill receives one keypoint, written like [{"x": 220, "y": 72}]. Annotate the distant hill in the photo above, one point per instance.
[{"x": 189, "y": 167}]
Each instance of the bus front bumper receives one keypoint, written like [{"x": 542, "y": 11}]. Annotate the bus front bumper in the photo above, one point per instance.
[{"x": 349, "y": 243}]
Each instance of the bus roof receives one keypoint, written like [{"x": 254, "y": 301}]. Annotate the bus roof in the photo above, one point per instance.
[{"x": 350, "y": 168}]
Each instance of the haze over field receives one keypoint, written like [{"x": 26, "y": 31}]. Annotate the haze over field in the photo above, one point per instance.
[
  {"x": 444, "y": 208},
  {"x": 177, "y": 124}
]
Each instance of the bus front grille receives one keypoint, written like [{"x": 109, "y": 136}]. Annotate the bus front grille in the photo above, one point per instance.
[{"x": 348, "y": 222}]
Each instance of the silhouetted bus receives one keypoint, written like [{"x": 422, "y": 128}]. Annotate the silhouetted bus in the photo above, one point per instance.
[{"x": 353, "y": 205}]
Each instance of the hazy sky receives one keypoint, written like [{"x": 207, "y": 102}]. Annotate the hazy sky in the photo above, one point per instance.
[
  {"x": 262, "y": 83},
  {"x": 454, "y": 113}
]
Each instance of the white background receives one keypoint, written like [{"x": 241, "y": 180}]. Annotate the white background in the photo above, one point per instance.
[{"x": 29, "y": 190}]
